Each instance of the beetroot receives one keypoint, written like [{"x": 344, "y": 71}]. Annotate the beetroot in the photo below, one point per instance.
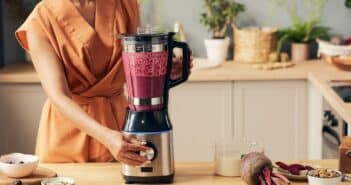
[{"x": 256, "y": 168}]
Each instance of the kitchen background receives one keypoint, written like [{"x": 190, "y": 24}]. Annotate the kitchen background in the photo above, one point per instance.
[{"x": 160, "y": 12}]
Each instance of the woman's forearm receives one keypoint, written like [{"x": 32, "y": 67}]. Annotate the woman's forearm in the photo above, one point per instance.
[{"x": 79, "y": 117}]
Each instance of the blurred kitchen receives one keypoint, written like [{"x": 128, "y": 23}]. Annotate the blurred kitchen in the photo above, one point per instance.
[{"x": 272, "y": 76}]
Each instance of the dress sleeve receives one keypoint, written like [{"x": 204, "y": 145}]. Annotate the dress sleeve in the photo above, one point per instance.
[{"x": 33, "y": 24}]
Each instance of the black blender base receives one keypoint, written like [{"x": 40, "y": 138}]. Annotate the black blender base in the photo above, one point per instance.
[{"x": 149, "y": 180}]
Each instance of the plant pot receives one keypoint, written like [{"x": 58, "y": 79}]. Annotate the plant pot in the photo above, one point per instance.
[
  {"x": 217, "y": 49},
  {"x": 300, "y": 52}
]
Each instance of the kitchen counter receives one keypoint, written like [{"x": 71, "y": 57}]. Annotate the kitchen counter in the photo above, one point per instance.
[
  {"x": 316, "y": 72},
  {"x": 186, "y": 173}
]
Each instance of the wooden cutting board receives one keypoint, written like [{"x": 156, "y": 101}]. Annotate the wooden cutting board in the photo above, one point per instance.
[{"x": 35, "y": 179}]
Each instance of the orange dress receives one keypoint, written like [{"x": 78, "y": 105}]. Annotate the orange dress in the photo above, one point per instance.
[{"x": 92, "y": 63}]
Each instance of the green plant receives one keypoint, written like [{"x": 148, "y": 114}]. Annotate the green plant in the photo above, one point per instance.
[
  {"x": 21, "y": 8},
  {"x": 219, "y": 15},
  {"x": 303, "y": 29},
  {"x": 348, "y": 3}
]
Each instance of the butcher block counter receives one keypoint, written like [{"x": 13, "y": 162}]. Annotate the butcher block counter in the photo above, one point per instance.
[{"x": 186, "y": 173}]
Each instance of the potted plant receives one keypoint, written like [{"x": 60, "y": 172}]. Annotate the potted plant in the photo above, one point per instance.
[
  {"x": 348, "y": 3},
  {"x": 218, "y": 17},
  {"x": 303, "y": 31}
]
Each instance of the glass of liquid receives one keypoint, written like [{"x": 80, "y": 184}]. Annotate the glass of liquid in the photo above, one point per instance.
[{"x": 228, "y": 154}]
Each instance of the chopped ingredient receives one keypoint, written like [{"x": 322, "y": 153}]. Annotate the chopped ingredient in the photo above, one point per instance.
[
  {"x": 294, "y": 169},
  {"x": 324, "y": 173}
]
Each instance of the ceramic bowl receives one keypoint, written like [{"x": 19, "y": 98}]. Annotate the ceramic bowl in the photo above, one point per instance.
[
  {"x": 312, "y": 180},
  {"x": 18, "y": 165}
]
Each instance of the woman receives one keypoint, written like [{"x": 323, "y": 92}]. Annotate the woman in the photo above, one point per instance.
[{"x": 78, "y": 60}]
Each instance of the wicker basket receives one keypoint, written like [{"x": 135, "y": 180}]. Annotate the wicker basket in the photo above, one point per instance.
[{"x": 253, "y": 45}]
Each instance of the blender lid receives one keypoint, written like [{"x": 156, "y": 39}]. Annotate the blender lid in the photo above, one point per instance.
[{"x": 146, "y": 33}]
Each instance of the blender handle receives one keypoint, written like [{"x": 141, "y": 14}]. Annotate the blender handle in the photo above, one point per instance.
[{"x": 185, "y": 62}]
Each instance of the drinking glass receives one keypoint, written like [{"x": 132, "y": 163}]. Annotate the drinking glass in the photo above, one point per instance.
[{"x": 228, "y": 153}]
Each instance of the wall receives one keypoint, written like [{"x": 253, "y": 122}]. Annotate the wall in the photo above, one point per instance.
[{"x": 259, "y": 12}]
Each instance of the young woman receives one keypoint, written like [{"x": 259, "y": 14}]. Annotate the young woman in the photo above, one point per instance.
[{"x": 78, "y": 59}]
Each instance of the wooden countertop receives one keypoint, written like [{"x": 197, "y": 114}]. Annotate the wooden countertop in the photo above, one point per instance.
[
  {"x": 186, "y": 173},
  {"x": 317, "y": 72}
]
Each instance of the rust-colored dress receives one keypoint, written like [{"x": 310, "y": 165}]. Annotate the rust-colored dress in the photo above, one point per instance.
[{"x": 92, "y": 62}]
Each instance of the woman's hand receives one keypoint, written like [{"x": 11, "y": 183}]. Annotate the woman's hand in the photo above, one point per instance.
[
  {"x": 125, "y": 148},
  {"x": 177, "y": 66}
]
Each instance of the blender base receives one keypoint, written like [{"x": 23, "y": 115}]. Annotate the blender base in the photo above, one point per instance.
[{"x": 149, "y": 180}]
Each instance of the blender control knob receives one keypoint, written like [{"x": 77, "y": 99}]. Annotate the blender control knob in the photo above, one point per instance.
[{"x": 151, "y": 153}]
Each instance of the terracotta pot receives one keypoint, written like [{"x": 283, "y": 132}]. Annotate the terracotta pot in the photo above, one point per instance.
[{"x": 300, "y": 52}]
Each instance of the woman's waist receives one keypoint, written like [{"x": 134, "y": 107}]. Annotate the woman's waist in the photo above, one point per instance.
[{"x": 89, "y": 97}]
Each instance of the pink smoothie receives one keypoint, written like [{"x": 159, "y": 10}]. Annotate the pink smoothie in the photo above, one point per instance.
[{"x": 145, "y": 75}]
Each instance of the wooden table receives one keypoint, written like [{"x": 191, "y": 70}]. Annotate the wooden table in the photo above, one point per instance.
[{"x": 186, "y": 173}]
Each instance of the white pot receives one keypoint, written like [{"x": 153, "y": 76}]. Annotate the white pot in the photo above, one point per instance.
[{"x": 217, "y": 49}]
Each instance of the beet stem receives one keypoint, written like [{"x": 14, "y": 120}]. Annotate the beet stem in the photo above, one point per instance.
[
  {"x": 281, "y": 177},
  {"x": 262, "y": 182},
  {"x": 267, "y": 175}
]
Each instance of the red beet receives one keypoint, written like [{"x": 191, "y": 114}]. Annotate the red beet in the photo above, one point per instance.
[
  {"x": 252, "y": 166},
  {"x": 256, "y": 168}
]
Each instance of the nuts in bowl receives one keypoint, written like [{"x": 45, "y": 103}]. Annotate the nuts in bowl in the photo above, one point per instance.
[
  {"x": 18, "y": 165},
  {"x": 324, "y": 177}
]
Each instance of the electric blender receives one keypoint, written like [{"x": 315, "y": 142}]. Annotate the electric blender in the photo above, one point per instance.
[{"x": 147, "y": 63}]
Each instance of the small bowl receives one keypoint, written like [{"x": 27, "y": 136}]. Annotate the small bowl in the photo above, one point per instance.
[
  {"x": 22, "y": 165},
  {"x": 312, "y": 180},
  {"x": 342, "y": 62}
]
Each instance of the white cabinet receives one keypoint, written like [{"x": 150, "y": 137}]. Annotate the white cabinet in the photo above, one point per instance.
[
  {"x": 273, "y": 113},
  {"x": 200, "y": 112},
  {"x": 20, "y": 109}
]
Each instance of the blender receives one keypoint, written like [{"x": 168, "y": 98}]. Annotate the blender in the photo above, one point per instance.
[{"x": 147, "y": 63}]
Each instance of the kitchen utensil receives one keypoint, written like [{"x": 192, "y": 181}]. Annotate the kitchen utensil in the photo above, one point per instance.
[
  {"x": 147, "y": 61},
  {"x": 18, "y": 165},
  {"x": 34, "y": 179}
]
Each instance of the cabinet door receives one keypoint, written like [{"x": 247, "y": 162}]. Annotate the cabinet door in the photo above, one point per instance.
[
  {"x": 274, "y": 114},
  {"x": 20, "y": 114},
  {"x": 199, "y": 112}
]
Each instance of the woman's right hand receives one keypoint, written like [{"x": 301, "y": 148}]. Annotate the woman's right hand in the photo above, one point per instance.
[{"x": 125, "y": 148}]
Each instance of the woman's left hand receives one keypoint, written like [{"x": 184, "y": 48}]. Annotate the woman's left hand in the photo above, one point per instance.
[{"x": 177, "y": 66}]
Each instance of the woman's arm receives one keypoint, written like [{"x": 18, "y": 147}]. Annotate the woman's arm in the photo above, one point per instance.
[{"x": 53, "y": 80}]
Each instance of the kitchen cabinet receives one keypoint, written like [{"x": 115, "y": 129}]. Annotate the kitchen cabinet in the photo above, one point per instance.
[
  {"x": 20, "y": 110},
  {"x": 274, "y": 113},
  {"x": 200, "y": 112}
]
